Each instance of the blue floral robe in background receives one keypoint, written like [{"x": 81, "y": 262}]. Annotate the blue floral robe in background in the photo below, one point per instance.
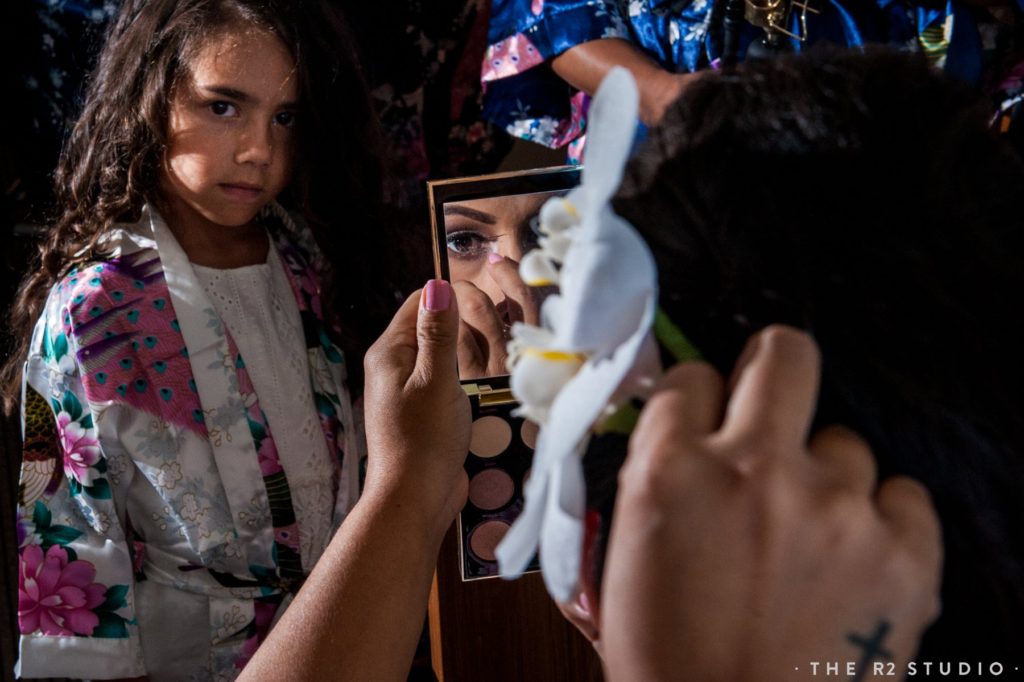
[{"x": 527, "y": 99}]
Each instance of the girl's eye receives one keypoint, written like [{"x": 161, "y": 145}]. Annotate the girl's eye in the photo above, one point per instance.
[
  {"x": 467, "y": 244},
  {"x": 223, "y": 109},
  {"x": 285, "y": 119}
]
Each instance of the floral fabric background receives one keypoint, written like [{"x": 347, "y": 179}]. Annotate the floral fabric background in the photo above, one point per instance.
[
  {"x": 423, "y": 64},
  {"x": 524, "y": 96}
]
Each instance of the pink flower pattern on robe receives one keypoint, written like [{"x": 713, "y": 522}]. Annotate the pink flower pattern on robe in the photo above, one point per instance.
[
  {"x": 57, "y": 596},
  {"x": 81, "y": 450}
]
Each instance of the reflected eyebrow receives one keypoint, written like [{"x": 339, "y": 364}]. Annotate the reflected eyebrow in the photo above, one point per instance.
[
  {"x": 479, "y": 216},
  {"x": 239, "y": 96}
]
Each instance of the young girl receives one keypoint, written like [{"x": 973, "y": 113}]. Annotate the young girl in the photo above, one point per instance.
[{"x": 190, "y": 445}]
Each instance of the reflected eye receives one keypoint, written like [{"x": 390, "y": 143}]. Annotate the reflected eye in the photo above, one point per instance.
[
  {"x": 285, "y": 119},
  {"x": 223, "y": 108},
  {"x": 467, "y": 244}
]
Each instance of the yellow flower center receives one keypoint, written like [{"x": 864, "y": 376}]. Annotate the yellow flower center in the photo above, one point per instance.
[{"x": 555, "y": 355}]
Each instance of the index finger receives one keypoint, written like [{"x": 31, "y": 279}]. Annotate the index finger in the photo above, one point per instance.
[
  {"x": 685, "y": 407},
  {"x": 505, "y": 273},
  {"x": 776, "y": 390},
  {"x": 481, "y": 332},
  {"x": 906, "y": 506}
]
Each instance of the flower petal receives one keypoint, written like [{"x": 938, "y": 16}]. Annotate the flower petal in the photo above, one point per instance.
[
  {"x": 71, "y": 596},
  {"x": 95, "y": 594},
  {"x": 616, "y": 274},
  {"x": 31, "y": 558},
  {"x": 72, "y": 433},
  {"x": 606, "y": 268},
  {"x": 611, "y": 124},
  {"x": 558, "y": 214},
  {"x": 81, "y": 621},
  {"x": 556, "y": 246},
  {"x": 78, "y": 573},
  {"x": 49, "y": 572},
  {"x": 536, "y": 270},
  {"x": 51, "y": 623},
  {"x": 561, "y": 536},
  {"x": 518, "y": 547},
  {"x": 539, "y": 375},
  {"x": 28, "y": 620},
  {"x": 28, "y": 594}
]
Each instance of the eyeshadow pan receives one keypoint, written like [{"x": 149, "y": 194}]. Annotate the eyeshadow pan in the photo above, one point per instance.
[
  {"x": 491, "y": 489},
  {"x": 485, "y": 538},
  {"x": 491, "y": 435},
  {"x": 528, "y": 432},
  {"x": 501, "y": 449}
]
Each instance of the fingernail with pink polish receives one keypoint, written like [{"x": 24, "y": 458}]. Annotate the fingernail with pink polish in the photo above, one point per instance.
[
  {"x": 584, "y": 602},
  {"x": 437, "y": 295},
  {"x": 495, "y": 258}
]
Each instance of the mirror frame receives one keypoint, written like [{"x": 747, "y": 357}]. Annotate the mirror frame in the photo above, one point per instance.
[{"x": 440, "y": 192}]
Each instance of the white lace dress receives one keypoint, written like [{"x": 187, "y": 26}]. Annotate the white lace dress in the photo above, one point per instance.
[{"x": 257, "y": 305}]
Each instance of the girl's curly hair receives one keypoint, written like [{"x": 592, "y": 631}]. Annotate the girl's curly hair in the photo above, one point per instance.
[{"x": 112, "y": 158}]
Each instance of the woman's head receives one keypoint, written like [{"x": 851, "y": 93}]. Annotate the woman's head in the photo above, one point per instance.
[{"x": 862, "y": 198}]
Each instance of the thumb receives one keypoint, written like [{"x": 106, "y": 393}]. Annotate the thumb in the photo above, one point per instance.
[{"x": 437, "y": 332}]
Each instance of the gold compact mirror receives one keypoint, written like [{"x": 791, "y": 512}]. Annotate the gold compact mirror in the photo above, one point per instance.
[
  {"x": 482, "y": 226},
  {"x": 482, "y": 627}
]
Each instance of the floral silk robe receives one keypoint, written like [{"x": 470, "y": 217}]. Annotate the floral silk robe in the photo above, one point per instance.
[
  {"x": 525, "y": 97},
  {"x": 156, "y": 530}
]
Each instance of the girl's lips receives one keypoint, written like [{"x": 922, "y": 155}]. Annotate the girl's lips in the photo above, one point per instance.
[{"x": 242, "y": 192}]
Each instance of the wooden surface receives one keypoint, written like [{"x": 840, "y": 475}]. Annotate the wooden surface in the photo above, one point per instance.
[{"x": 495, "y": 630}]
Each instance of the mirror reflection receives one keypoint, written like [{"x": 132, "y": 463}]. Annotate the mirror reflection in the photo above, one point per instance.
[
  {"x": 483, "y": 227},
  {"x": 485, "y": 236},
  {"x": 480, "y": 230}
]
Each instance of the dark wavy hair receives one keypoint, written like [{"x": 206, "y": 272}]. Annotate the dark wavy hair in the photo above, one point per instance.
[
  {"x": 862, "y": 197},
  {"x": 111, "y": 160}
]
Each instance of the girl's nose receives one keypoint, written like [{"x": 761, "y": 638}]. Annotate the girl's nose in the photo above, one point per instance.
[{"x": 256, "y": 145}]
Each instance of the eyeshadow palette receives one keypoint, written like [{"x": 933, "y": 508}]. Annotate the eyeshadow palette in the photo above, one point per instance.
[{"x": 498, "y": 465}]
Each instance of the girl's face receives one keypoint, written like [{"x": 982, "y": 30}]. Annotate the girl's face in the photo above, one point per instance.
[
  {"x": 230, "y": 131},
  {"x": 496, "y": 225}
]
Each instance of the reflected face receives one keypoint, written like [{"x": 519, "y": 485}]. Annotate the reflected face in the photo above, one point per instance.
[
  {"x": 230, "y": 132},
  {"x": 478, "y": 229}
]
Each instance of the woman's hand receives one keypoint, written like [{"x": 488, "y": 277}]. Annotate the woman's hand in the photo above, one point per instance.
[
  {"x": 360, "y": 612},
  {"x": 739, "y": 551},
  {"x": 521, "y": 302},
  {"x": 417, "y": 415},
  {"x": 485, "y": 323}
]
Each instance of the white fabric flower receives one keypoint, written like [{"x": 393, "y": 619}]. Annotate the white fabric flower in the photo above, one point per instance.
[{"x": 566, "y": 372}]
